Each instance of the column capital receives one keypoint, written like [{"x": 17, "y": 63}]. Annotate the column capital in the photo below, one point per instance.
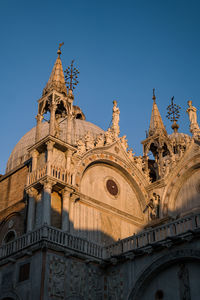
[
  {"x": 34, "y": 153},
  {"x": 66, "y": 191},
  {"x": 32, "y": 192},
  {"x": 39, "y": 118},
  {"x": 48, "y": 183},
  {"x": 50, "y": 145},
  {"x": 53, "y": 106},
  {"x": 68, "y": 153}
]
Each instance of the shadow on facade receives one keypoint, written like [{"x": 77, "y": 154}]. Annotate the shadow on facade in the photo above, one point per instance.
[{"x": 149, "y": 280}]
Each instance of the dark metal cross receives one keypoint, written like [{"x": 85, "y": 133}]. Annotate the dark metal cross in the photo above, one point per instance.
[
  {"x": 173, "y": 111},
  {"x": 71, "y": 75}
]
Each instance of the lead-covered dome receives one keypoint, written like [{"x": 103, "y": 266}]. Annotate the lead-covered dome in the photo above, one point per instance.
[{"x": 79, "y": 129}]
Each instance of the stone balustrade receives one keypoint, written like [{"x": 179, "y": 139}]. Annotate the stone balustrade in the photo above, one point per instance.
[
  {"x": 56, "y": 172},
  {"x": 154, "y": 235},
  {"x": 52, "y": 235},
  {"x": 149, "y": 237}
]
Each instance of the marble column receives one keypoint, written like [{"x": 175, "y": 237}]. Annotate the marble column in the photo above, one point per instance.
[
  {"x": 32, "y": 193},
  {"x": 46, "y": 202},
  {"x": 39, "y": 119},
  {"x": 50, "y": 145},
  {"x": 69, "y": 128},
  {"x": 65, "y": 208},
  {"x": 34, "y": 155},
  {"x": 68, "y": 155},
  {"x": 38, "y": 211},
  {"x": 71, "y": 214},
  {"x": 52, "y": 119}
]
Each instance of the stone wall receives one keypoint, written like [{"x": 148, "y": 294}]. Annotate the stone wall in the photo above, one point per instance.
[{"x": 12, "y": 188}]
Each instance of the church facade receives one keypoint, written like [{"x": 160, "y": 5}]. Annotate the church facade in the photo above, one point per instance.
[{"x": 83, "y": 218}]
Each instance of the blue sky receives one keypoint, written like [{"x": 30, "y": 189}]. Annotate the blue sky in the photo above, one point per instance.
[{"x": 123, "y": 50}]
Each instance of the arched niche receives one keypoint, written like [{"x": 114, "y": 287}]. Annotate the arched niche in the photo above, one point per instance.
[
  {"x": 110, "y": 185},
  {"x": 12, "y": 225},
  {"x": 185, "y": 195},
  {"x": 183, "y": 269},
  {"x": 115, "y": 203},
  {"x": 188, "y": 196},
  {"x": 9, "y": 237}
]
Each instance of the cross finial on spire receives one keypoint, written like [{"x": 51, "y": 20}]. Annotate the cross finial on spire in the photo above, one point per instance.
[
  {"x": 173, "y": 114},
  {"x": 60, "y": 45},
  {"x": 71, "y": 76},
  {"x": 154, "y": 97}
]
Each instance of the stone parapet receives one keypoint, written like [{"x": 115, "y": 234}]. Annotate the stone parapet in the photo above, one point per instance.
[
  {"x": 56, "y": 172},
  {"x": 145, "y": 242}
]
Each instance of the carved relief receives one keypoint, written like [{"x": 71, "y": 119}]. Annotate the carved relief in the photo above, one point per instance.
[
  {"x": 56, "y": 278},
  {"x": 81, "y": 146},
  {"x": 89, "y": 141},
  {"x": 100, "y": 140},
  {"x": 184, "y": 283},
  {"x": 115, "y": 285}
]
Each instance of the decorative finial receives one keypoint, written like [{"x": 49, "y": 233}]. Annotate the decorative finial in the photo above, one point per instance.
[
  {"x": 173, "y": 114},
  {"x": 59, "y": 51},
  {"x": 71, "y": 76},
  {"x": 154, "y": 97}
]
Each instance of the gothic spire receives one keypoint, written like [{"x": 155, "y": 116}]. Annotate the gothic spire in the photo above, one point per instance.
[
  {"x": 57, "y": 79},
  {"x": 156, "y": 123}
]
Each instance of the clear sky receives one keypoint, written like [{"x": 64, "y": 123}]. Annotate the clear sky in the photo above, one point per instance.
[{"x": 123, "y": 50}]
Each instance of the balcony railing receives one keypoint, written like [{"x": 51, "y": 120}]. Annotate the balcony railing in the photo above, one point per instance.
[
  {"x": 55, "y": 236},
  {"x": 56, "y": 172},
  {"x": 178, "y": 228},
  {"x": 154, "y": 235}
]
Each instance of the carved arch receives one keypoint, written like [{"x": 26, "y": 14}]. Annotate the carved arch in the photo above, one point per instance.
[
  {"x": 117, "y": 163},
  {"x": 159, "y": 265},
  {"x": 10, "y": 296},
  {"x": 5, "y": 227},
  {"x": 180, "y": 176}
]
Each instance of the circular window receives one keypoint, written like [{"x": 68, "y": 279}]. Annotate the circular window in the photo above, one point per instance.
[{"x": 112, "y": 187}]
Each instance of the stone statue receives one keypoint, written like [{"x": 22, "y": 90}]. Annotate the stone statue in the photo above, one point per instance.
[
  {"x": 154, "y": 205},
  {"x": 100, "y": 140},
  {"x": 57, "y": 126},
  {"x": 124, "y": 142},
  {"x": 115, "y": 119},
  {"x": 130, "y": 153},
  {"x": 109, "y": 136},
  {"x": 81, "y": 146},
  {"x": 89, "y": 141},
  {"x": 192, "y": 113}
]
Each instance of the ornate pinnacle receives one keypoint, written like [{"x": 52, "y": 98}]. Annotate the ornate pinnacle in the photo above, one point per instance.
[
  {"x": 71, "y": 76},
  {"x": 173, "y": 114}
]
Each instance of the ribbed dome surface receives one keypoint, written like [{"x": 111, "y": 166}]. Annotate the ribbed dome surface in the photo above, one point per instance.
[
  {"x": 79, "y": 129},
  {"x": 179, "y": 137}
]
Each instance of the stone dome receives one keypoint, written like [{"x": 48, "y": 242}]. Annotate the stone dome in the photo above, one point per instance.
[
  {"x": 179, "y": 137},
  {"x": 79, "y": 129}
]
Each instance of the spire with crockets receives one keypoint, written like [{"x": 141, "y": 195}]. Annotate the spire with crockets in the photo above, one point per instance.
[
  {"x": 56, "y": 80},
  {"x": 156, "y": 123}
]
